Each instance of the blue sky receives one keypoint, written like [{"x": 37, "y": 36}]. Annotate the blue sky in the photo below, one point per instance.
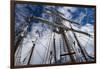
[
  {"x": 89, "y": 12},
  {"x": 89, "y": 15},
  {"x": 37, "y": 10}
]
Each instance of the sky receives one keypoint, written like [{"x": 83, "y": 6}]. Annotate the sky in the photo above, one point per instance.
[{"x": 82, "y": 15}]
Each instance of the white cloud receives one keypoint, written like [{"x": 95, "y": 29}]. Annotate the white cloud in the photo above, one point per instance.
[{"x": 64, "y": 10}]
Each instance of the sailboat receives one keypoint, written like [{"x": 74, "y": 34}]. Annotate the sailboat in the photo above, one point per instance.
[{"x": 60, "y": 43}]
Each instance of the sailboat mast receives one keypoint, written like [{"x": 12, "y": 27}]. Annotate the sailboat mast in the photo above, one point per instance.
[
  {"x": 79, "y": 44},
  {"x": 54, "y": 46},
  {"x": 31, "y": 53},
  {"x": 68, "y": 47}
]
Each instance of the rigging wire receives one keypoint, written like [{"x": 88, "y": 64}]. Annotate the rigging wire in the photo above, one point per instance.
[
  {"x": 42, "y": 44},
  {"x": 48, "y": 48},
  {"x": 26, "y": 55},
  {"x": 86, "y": 51},
  {"x": 79, "y": 44},
  {"x": 39, "y": 54},
  {"x": 88, "y": 39},
  {"x": 18, "y": 54}
]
